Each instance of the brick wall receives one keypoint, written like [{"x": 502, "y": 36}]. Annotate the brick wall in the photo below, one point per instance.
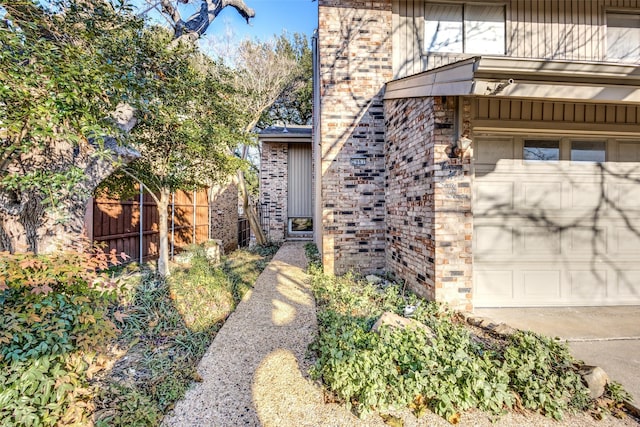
[
  {"x": 223, "y": 205},
  {"x": 273, "y": 187},
  {"x": 428, "y": 200},
  {"x": 409, "y": 197},
  {"x": 354, "y": 40}
]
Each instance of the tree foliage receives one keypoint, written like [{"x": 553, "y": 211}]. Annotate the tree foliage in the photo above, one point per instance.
[
  {"x": 294, "y": 104},
  {"x": 65, "y": 75},
  {"x": 60, "y": 80},
  {"x": 188, "y": 125}
]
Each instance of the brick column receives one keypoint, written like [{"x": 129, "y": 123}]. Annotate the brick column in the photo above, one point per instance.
[
  {"x": 453, "y": 219},
  {"x": 273, "y": 187},
  {"x": 428, "y": 200},
  {"x": 354, "y": 41},
  {"x": 223, "y": 207}
]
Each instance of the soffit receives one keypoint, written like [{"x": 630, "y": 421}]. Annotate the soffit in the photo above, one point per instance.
[{"x": 524, "y": 78}]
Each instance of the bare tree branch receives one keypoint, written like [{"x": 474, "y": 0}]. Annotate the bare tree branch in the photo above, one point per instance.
[
  {"x": 173, "y": 13},
  {"x": 198, "y": 23}
]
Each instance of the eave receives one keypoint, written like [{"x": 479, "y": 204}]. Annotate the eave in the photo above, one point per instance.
[
  {"x": 292, "y": 134},
  {"x": 524, "y": 78}
]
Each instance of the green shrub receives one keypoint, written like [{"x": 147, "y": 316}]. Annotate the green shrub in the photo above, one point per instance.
[
  {"x": 53, "y": 322},
  {"x": 541, "y": 372},
  {"x": 449, "y": 372}
]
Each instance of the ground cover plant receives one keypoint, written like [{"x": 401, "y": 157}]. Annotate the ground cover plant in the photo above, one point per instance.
[
  {"x": 446, "y": 368},
  {"x": 53, "y": 325},
  {"x": 81, "y": 345},
  {"x": 167, "y": 325}
]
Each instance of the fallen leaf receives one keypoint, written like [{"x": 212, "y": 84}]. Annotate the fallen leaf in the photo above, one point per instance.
[
  {"x": 454, "y": 419},
  {"x": 120, "y": 316},
  {"x": 392, "y": 421}
]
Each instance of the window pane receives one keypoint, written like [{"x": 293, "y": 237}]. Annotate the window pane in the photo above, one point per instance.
[
  {"x": 588, "y": 151},
  {"x": 443, "y": 28},
  {"x": 484, "y": 29},
  {"x": 300, "y": 224},
  {"x": 623, "y": 36},
  {"x": 541, "y": 150}
]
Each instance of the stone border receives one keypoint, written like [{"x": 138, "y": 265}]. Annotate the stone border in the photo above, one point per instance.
[{"x": 504, "y": 331}]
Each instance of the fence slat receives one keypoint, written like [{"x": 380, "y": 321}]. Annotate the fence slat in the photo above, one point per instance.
[{"x": 117, "y": 223}]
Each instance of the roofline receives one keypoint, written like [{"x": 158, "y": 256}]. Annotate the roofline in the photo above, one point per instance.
[{"x": 523, "y": 78}]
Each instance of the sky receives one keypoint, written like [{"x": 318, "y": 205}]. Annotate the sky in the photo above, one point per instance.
[{"x": 272, "y": 17}]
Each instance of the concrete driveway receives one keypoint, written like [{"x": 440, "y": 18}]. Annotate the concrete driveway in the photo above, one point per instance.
[{"x": 608, "y": 337}]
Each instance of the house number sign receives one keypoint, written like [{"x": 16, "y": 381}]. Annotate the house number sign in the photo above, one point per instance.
[{"x": 358, "y": 161}]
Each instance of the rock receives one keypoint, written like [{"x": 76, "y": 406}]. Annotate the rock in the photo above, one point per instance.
[
  {"x": 124, "y": 116},
  {"x": 214, "y": 251},
  {"x": 595, "y": 378},
  {"x": 477, "y": 320},
  {"x": 373, "y": 279},
  {"x": 394, "y": 321},
  {"x": 183, "y": 258},
  {"x": 503, "y": 329}
]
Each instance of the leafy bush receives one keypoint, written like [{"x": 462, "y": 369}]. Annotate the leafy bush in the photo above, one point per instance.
[
  {"x": 541, "y": 372},
  {"x": 53, "y": 322},
  {"x": 449, "y": 372}
]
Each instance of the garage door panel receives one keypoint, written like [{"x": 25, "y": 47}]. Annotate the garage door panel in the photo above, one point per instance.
[
  {"x": 587, "y": 240},
  {"x": 492, "y": 151},
  {"x": 628, "y": 283},
  {"x": 493, "y": 239},
  {"x": 627, "y": 241},
  {"x": 541, "y": 284},
  {"x": 629, "y": 152},
  {"x": 629, "y": 196},
  {"x": 494, "y": 196},
  {"x": 588, "y": 196},
  {"x": 543, "y": 195},
  {"x": 588, "y": 284},
  {"x": 494, "y": 285},
  {"x": 540, "y": 240}
]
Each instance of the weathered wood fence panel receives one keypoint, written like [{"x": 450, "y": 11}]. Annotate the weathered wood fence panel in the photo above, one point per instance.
[{"x": 118, "y": 223}]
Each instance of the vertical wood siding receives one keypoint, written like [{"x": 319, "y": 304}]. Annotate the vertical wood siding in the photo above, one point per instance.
[
  {"x": 544, "y": 29},
  {"x": 116, "y": 223},
  {"x": 566, "y": 112},
  {"x": 300, "y": 188}
]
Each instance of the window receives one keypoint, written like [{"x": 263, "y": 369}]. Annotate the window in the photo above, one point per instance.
[
  {"x": 623, "y": 36},
  {"x": 464, "y": 28},
  {"x": 541, "y": 150},
  {"x": 300, "y": 225},
  {"x": 588, "y": 151}
]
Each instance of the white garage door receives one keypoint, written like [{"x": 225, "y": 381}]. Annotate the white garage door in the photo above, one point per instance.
[{"x": 556, "y": 221}]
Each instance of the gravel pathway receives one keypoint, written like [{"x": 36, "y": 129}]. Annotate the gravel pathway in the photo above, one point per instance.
[{"x": 255, "y": 372}]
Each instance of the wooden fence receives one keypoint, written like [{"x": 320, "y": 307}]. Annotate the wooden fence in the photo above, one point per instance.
[{"x": 131, "y": 226}]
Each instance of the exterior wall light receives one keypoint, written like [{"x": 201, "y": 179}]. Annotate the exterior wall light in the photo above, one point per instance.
[{"x": 462, "y": 146}]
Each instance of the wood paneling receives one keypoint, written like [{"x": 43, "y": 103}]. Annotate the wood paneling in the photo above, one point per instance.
[
  {"x": 299, "y": 202},
  {"x": 116, "y": 223},
  {"x": 543, "y": 29},
  {"x": 505, "y": 109}
]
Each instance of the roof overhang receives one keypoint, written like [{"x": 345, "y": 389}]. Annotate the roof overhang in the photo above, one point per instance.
[
  {"x": 524, "y": 78},
  {"x": 290, "y": 134}
]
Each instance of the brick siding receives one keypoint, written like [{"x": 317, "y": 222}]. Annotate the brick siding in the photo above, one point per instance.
[
  {"x": 428, "y": 200},
  {"x": 273, "y": 187},
  {"x": 224, "y": 214},
  {"x": 354, "y": 39}
]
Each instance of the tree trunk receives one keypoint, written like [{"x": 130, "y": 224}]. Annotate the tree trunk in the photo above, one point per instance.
[
  {"x": 163, "y": 210},
  {"x": 250, "y": 212}
]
